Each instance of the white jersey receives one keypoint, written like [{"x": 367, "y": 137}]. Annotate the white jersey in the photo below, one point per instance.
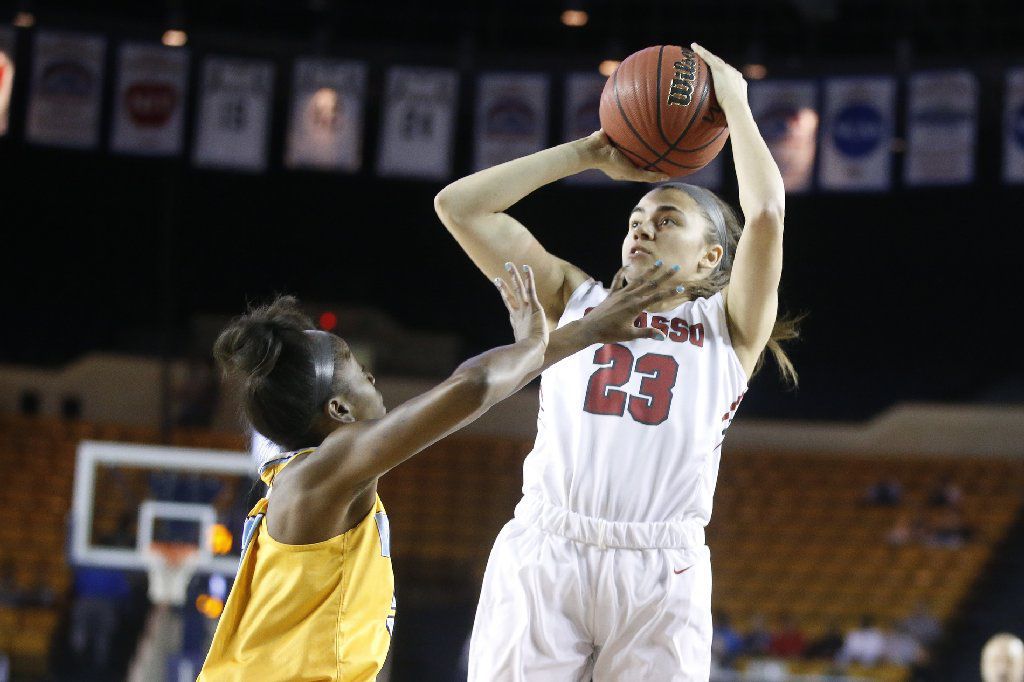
[{"x": 633, "y": 431}]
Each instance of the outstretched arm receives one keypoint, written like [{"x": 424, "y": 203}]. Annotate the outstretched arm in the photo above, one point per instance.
[
  {"x": 361, "y": 452},
  {"x": 473, "y": 210},
  {"x": 752, "y": 299}
]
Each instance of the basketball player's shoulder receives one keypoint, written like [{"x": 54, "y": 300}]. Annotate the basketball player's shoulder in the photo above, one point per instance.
[{"x": 573, "y": 280}]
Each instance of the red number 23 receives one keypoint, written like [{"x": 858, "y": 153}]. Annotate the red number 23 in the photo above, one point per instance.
[{"x": 652, "y": 405}]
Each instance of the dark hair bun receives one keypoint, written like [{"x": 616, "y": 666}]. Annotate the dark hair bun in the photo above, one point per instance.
[{"x": 252, "y": 343}]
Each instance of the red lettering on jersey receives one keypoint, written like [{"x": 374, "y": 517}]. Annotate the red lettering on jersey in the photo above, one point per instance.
[
  {"x": 640, "y": 321},
  {"x": 660, "y": 323},
  {"x": 680, "y": 330},
  {"x": 587, "y": 311},
  {"x": 697, "y": 334}
]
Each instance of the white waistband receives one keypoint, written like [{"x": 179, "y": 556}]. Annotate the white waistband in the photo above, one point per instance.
[{"x": 610, "y": 534}]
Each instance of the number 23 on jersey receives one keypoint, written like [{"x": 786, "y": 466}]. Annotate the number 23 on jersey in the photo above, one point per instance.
[{"x": 617, "y": 364}]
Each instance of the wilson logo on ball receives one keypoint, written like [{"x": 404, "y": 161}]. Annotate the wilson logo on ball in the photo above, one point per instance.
[{"x": 681, "y": 89}]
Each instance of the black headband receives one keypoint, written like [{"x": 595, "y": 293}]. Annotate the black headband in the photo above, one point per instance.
[{"x": 323, "y": 364}]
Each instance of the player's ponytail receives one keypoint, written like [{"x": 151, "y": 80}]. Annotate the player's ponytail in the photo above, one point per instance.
[
  {"x": 786, "y": 327},
  {"x": 269, "y": 351}
]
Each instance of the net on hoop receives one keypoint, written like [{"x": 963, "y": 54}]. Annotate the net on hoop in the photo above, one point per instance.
[{"x": 171, "y": 565}]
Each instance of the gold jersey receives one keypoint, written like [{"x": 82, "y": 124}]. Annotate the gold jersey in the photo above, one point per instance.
[{"x": 323, "y": 611}]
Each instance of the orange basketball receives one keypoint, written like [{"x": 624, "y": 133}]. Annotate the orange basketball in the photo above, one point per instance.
[{"x": 659, "y": 109}]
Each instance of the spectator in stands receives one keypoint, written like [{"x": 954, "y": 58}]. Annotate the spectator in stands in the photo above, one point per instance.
[
  {"x": 726, "y": 643},
  {"x": 789, "y": 641},
  {"x": 923, "y": 625},
  {"x": 828, "y": 645},
  {"x": 902, "y": 648},
  {"x": 758, "y": 640},
  {"x": 886, "y": 492},
  {"x": 950, "y": 530},
  {"x": 908, "y": 529},
  {"x": 946, "y": 493},
  {"x": 95, "y": 614},
  {"x": 864, "y": 645},
  {"x": 10, "y": 593},
  {"x": 1002, "y": 659}
]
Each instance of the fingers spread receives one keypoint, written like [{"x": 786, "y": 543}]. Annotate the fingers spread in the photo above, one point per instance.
[
  {"x": 518, "y": 288},
  {"x": 619, "y": 280},
  {"x": 531, "y": 288},
  {"x": 506, "y": 294}
]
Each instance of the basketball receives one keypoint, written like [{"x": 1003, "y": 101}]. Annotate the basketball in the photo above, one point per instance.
[{"x": 659, "y": 109}]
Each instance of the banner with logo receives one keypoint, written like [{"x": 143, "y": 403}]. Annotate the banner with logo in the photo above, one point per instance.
[
  {"x": 786, "y": 112},
  {"x": 857, "y": 129},
  {"x": 325, "y": 128},
  {"x": 234, "y": 114},
  {"x": 6, "y": 74},
  {"x": 419, "y": 123},
  {"x": 580, "y": 117},
  {"x": 66, "y": 88},
  {"x": 1013, "y": 127},
  {"x": 942, "y": 128},
  {"x": 511, "y": 117},
  {"x": 149, "y": 102}
]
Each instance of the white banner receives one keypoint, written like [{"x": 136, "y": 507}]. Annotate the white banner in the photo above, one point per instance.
[
  {"x": 149, "y": 104},
  {"x": 1013, "y": 127},
  {"x": 511, "y": 117},
  {"x": 580, "y": 117},
  {"x": 66, "y": 89},
  {"x": 419, "y": 119},
  {"x": 325, "y": 130},
  {"x": 7, "y": 44},
  {"x": 787, "y": 116},
  {"x": 234, "y": 114},
  {"x": 942, "y": 127},
  {"x": 857, "y": 131}
]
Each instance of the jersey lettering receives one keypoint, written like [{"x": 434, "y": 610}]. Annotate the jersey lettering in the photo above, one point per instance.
[{"x": 652, "y": 405}]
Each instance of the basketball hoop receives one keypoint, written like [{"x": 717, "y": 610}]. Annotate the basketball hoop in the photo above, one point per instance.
[{"x": 171, "y": 566}]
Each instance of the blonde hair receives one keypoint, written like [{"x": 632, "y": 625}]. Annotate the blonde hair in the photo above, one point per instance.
[{"x": 786, "y": 327}]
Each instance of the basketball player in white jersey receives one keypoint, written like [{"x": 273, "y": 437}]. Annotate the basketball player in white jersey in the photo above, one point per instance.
[{"x": 603, "y": 573}]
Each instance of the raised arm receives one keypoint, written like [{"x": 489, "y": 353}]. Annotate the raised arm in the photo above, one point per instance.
[
  {"x": 473, "y": 210},
  {"x": 752, "y": 299}
]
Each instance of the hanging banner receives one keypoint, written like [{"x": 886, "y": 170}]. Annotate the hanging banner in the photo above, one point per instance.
[
  {"x": 66, "y": 89},
  {"x": 325, "y": 130},
  {"x": 580, "y": 117},
  {"x": 1013, "y": 127},
  {"x": 234, "y": 114},
  {"x": 857, "y": 132},
  {"x": 511, "y": 117},
  {"x": 787, "y": 116},
  {"x": 942, "y": 128},
  {"x": 149, "y": 103},
  {"x": 419, "y": 120},
  {"x": 6, "y": 74}
]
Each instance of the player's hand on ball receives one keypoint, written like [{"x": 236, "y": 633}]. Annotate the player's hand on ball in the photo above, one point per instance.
[
  {"x": 525, "y": 312},
  {"x": 612, "y": 320},
  {"x": 730, "y": 86},
  {"x": 614, "y": 163}
]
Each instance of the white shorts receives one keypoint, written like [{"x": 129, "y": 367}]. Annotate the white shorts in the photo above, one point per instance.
[{"x": 569, "y": 598}]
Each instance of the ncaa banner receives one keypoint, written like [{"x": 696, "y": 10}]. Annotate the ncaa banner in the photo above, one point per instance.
[
  {"x": 67, "y": 82},
  {"x": 419, "y": 120},
  {"x": 1013, "y": 127},
  {"x": 326, "y": 124},
  {"x": 787, "y": 116},
  {"x": 149, "y": 104},
  {"x": 511, "y": 117},
  {"x": 234, "y": 114},
  {"x": 6, "y": 74},
  {"x": 857, "y": 129},
  {"x": 942, "y": 127},
  {"x": 580, "y": 117}
]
